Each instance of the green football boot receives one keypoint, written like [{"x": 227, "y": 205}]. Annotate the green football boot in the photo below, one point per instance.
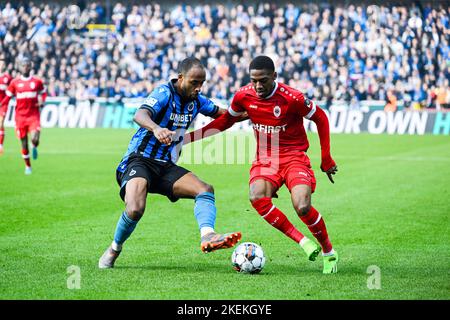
[
  {"x": 311, "y": 249},
  {"x": 330, "y": 263}
]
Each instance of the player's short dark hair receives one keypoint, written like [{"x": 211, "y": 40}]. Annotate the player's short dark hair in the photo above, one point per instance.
[
  {"x": 262, "y": 63},
  {"x": 189, "y": 63}
]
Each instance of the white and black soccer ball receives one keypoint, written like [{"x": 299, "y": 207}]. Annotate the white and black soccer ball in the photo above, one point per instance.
[{"x": 248, "y": 257}]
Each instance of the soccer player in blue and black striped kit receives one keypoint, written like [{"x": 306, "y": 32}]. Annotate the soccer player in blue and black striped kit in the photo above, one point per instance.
[{"x": 149, "y": 166}]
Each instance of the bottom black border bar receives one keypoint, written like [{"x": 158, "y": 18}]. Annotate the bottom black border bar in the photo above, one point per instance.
[{"x": 223, "y": 309}]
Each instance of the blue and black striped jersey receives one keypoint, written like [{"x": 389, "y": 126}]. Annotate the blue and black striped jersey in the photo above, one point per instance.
[{"x": 168, "y": 111}]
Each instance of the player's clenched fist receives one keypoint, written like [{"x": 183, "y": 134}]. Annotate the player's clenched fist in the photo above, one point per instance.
[{"x": 164, "y": 135}]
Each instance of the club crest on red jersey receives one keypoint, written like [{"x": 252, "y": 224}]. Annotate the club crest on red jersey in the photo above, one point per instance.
[
  {"x": 32, "y": 85},
  {"x": 277, "y": 111}
]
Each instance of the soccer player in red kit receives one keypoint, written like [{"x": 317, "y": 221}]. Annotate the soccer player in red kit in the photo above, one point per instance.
[
  {"x": 30, "y": 95},
  {"x": 276, "y": 112},
  {"x": 5, "y": 79}
]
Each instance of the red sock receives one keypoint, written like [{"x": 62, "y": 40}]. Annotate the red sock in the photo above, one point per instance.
[
  {"x": 26, "y": 157},
  {"x": 2, "y": 136},
  {"x": 276, "y": 218},
  {"x": 316, "y": 225}
]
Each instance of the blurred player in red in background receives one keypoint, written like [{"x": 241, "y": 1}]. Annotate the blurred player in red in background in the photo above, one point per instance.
[
  {"x": 30, "y": 96},
  {"x": 276, "y": 112},
  {"x": 5, "y": 79}
]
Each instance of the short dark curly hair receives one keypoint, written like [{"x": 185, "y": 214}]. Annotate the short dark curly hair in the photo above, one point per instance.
[
  {"x": 189, "y": 63},
  {"x": 262, "y": 63}
]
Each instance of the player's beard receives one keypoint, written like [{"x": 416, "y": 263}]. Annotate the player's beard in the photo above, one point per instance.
[
  {"x": 194, "y": 96},
  {"x": 189, "y": 97}
]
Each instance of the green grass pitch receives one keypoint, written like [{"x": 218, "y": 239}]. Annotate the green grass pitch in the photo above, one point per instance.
[{"x": 389, "y": 210}]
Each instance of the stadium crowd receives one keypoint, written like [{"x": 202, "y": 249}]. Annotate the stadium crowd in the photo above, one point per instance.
[{"x": 355, "y": 53}]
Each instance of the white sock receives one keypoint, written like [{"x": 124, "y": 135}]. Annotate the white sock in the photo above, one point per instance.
[
  {"x": 328, "y": 253},
  {"x": 116, "y": 247},
  {"x": 302, "y": 242},
  {"x": 205, "y": 231}
]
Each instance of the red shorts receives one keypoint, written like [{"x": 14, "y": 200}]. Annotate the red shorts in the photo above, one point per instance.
[
  {"x": 291, "y": 170},
  {"x": 24, "y": 126}
]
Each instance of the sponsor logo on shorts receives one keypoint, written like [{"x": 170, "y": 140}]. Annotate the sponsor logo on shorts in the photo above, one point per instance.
[{"x": 132, "y": 173}]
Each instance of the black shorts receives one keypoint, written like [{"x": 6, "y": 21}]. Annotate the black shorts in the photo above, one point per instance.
[{"x": 160, "y": 176}]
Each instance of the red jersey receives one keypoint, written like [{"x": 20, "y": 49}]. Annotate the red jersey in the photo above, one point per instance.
[
  {"x": 277, "y": 119},
  {"x": 26, "y": 91},
  {"x": 5, "y": 79}
]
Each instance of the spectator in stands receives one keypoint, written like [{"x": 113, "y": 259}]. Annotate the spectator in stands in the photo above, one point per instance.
[
  {"x": 365, "y": 49},
  {"x": 391, "y": 103}
]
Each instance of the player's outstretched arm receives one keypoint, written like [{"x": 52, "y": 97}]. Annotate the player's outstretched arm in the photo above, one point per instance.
[
  {"x": 143, "y": 118},
  {"x": 222, "y": 123},
  {"x": 221, "y": 111},
  {"x": 323, "y": 128}
]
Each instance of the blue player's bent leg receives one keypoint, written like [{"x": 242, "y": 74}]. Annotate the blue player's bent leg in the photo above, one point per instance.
[
  {"x": 125, "y": 226},
  {"x": 205, "y": 213},
  {"x": 135, "y": 199}
]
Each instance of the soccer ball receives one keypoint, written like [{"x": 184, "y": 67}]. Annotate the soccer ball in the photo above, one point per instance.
[{"x": 248, "y": 257}]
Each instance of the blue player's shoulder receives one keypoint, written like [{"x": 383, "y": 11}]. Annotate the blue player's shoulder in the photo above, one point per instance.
[
  {"x": 203, "y": 100},
  {"x": 162, "y": 91},
  {"x": 160, "y": 94},
  {"x": 207, "y": 106}
]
